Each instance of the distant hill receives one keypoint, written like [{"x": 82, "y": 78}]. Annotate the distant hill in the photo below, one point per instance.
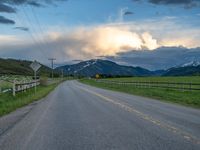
[
  {"x": 103, "y": 67},
  {"x": 20, "y": 67},
  {"x": 96, "y": 66},
  {"x": 187, "y": 69}
]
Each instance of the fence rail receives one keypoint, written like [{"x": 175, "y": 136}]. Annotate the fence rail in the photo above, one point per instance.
[
  {"x": 18, "y": 86},
  {"x": 23, "y": 86},
  {"x": 150, "y": 84}
]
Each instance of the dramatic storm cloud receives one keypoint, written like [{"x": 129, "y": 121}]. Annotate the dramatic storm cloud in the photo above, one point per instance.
[
  {"x": 79, "y": 29},
  {"x": 90, "y": 42},
  {"x": 107, "y": 40},
  {"x": 85, "y": 42},
  {"x": 161, "y": 58}
]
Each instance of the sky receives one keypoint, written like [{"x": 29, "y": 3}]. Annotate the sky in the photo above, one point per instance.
[{"x": 155, "y": 34}]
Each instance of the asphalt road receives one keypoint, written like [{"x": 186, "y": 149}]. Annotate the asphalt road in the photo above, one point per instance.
[{"x": 81, "y": 117}]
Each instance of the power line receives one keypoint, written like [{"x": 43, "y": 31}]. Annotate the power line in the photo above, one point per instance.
[
  {"x": 33, "y": 29},
  {"x": 57, "y": 47},
  {"x": 38, "y": 24},
  {"x": 23, "y": 23},
  {"x": 38, "y": 40}
]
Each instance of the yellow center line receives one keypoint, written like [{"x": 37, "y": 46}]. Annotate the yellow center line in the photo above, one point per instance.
[{"x": 187, "y": 136}]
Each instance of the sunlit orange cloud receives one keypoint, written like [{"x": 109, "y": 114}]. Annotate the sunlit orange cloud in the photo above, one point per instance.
[
  {"x": 104, "y": 41},
  {"x": 185, "y": 42}
]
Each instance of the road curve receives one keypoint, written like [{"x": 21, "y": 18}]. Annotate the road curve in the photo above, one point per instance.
[{"x": 80, "y": 117}]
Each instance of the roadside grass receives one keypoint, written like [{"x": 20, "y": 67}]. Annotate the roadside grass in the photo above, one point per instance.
[
  {"x": 14, "y": 77},
  {"x": 187, "y": 79},
  {"x": 8, "y": 103},
  {"x": 187, "y": 98},
  {"x": 5, "y": 85}
]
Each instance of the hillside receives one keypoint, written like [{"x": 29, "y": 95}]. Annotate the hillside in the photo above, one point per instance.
[
  {"x": 20, "y": 67},
  {"x": 188, "y": 69},
  {"x": 92, "y": 67},
  {"x": 103, "y": 67}
]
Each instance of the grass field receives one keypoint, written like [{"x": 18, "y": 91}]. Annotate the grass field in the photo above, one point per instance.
[
  {"x": 193, "y": 79},
  {"x": 5, "y": 85},
  {"x": 9, "y": 103},
  {"x": 14, "y": 77},
  {"x": 188, "y": 98}
]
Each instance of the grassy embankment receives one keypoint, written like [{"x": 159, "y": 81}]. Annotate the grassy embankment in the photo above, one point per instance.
[
  {"x": 8, "y": 103},
  {"x": 188, "y": 98}
]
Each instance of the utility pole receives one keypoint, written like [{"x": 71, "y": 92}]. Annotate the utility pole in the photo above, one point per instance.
[{"x": 52, "y": 63}]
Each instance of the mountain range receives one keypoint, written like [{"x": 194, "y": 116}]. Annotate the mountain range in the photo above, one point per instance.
[
  {"x": 187, "y": 69},
  {"x": 109, "y": 68},
  {"x": 97, "y": 66},
  {"x": 103, "y": 67}
]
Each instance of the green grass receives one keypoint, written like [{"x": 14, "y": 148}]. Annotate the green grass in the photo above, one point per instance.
[
  {"x": 189, "y": 79},
  {"x": 6, "y": 80},
  {"x": 8, "y": 103},
  {"x": 5, "y": 85},
  {"x": 187, "y": 98},
  {"x": 14, "y": 77}
]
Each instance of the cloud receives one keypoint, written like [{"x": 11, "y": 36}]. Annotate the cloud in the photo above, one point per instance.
[
  {"x": 22, "y": 28},
  {"x": 104, "y": 40},
  {"x": 36, "y": 3},
  {"x": 128, "y": 13},
  {"x": 121, "y": 13},
  {"x": 6, "y": 8},
  {"x": 185, "y": 3},
  {"x": 171, "y": 1},
  {"x": 8, "y": 40},
  {"x": 4, "y": 20},
  {"x": 111, "y": 39},
  {"x": 82, "y": 43},
  {"x": 168, "y": 31},
  {"x": 160, "y": 58}
]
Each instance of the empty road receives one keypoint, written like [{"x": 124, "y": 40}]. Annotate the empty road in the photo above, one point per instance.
[{"x": 80, "y": 117}]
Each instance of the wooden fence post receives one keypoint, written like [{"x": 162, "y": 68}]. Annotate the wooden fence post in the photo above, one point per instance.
[
  {"x": 14, "y": 88},
  {"x": 190, "y": 86}
]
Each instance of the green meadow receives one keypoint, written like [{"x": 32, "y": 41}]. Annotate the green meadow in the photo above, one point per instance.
[
  {"x": 9, "y": 103},
  {"x": 183, "y": 97}
]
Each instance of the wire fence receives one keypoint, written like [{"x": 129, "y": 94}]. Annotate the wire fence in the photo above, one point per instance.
[{"x": 149, "y": 84}]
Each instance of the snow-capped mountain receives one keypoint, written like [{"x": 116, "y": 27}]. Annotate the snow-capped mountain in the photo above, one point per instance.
[
  {"x": 187, "y": 69},
  {"x": 103, "y": 67},
  {"x": 191, "y": 63}
]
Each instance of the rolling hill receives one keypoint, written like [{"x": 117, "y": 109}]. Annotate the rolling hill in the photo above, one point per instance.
[
  {"x": 103, "y": 67},
  {"x": 20, "y": 67}
]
